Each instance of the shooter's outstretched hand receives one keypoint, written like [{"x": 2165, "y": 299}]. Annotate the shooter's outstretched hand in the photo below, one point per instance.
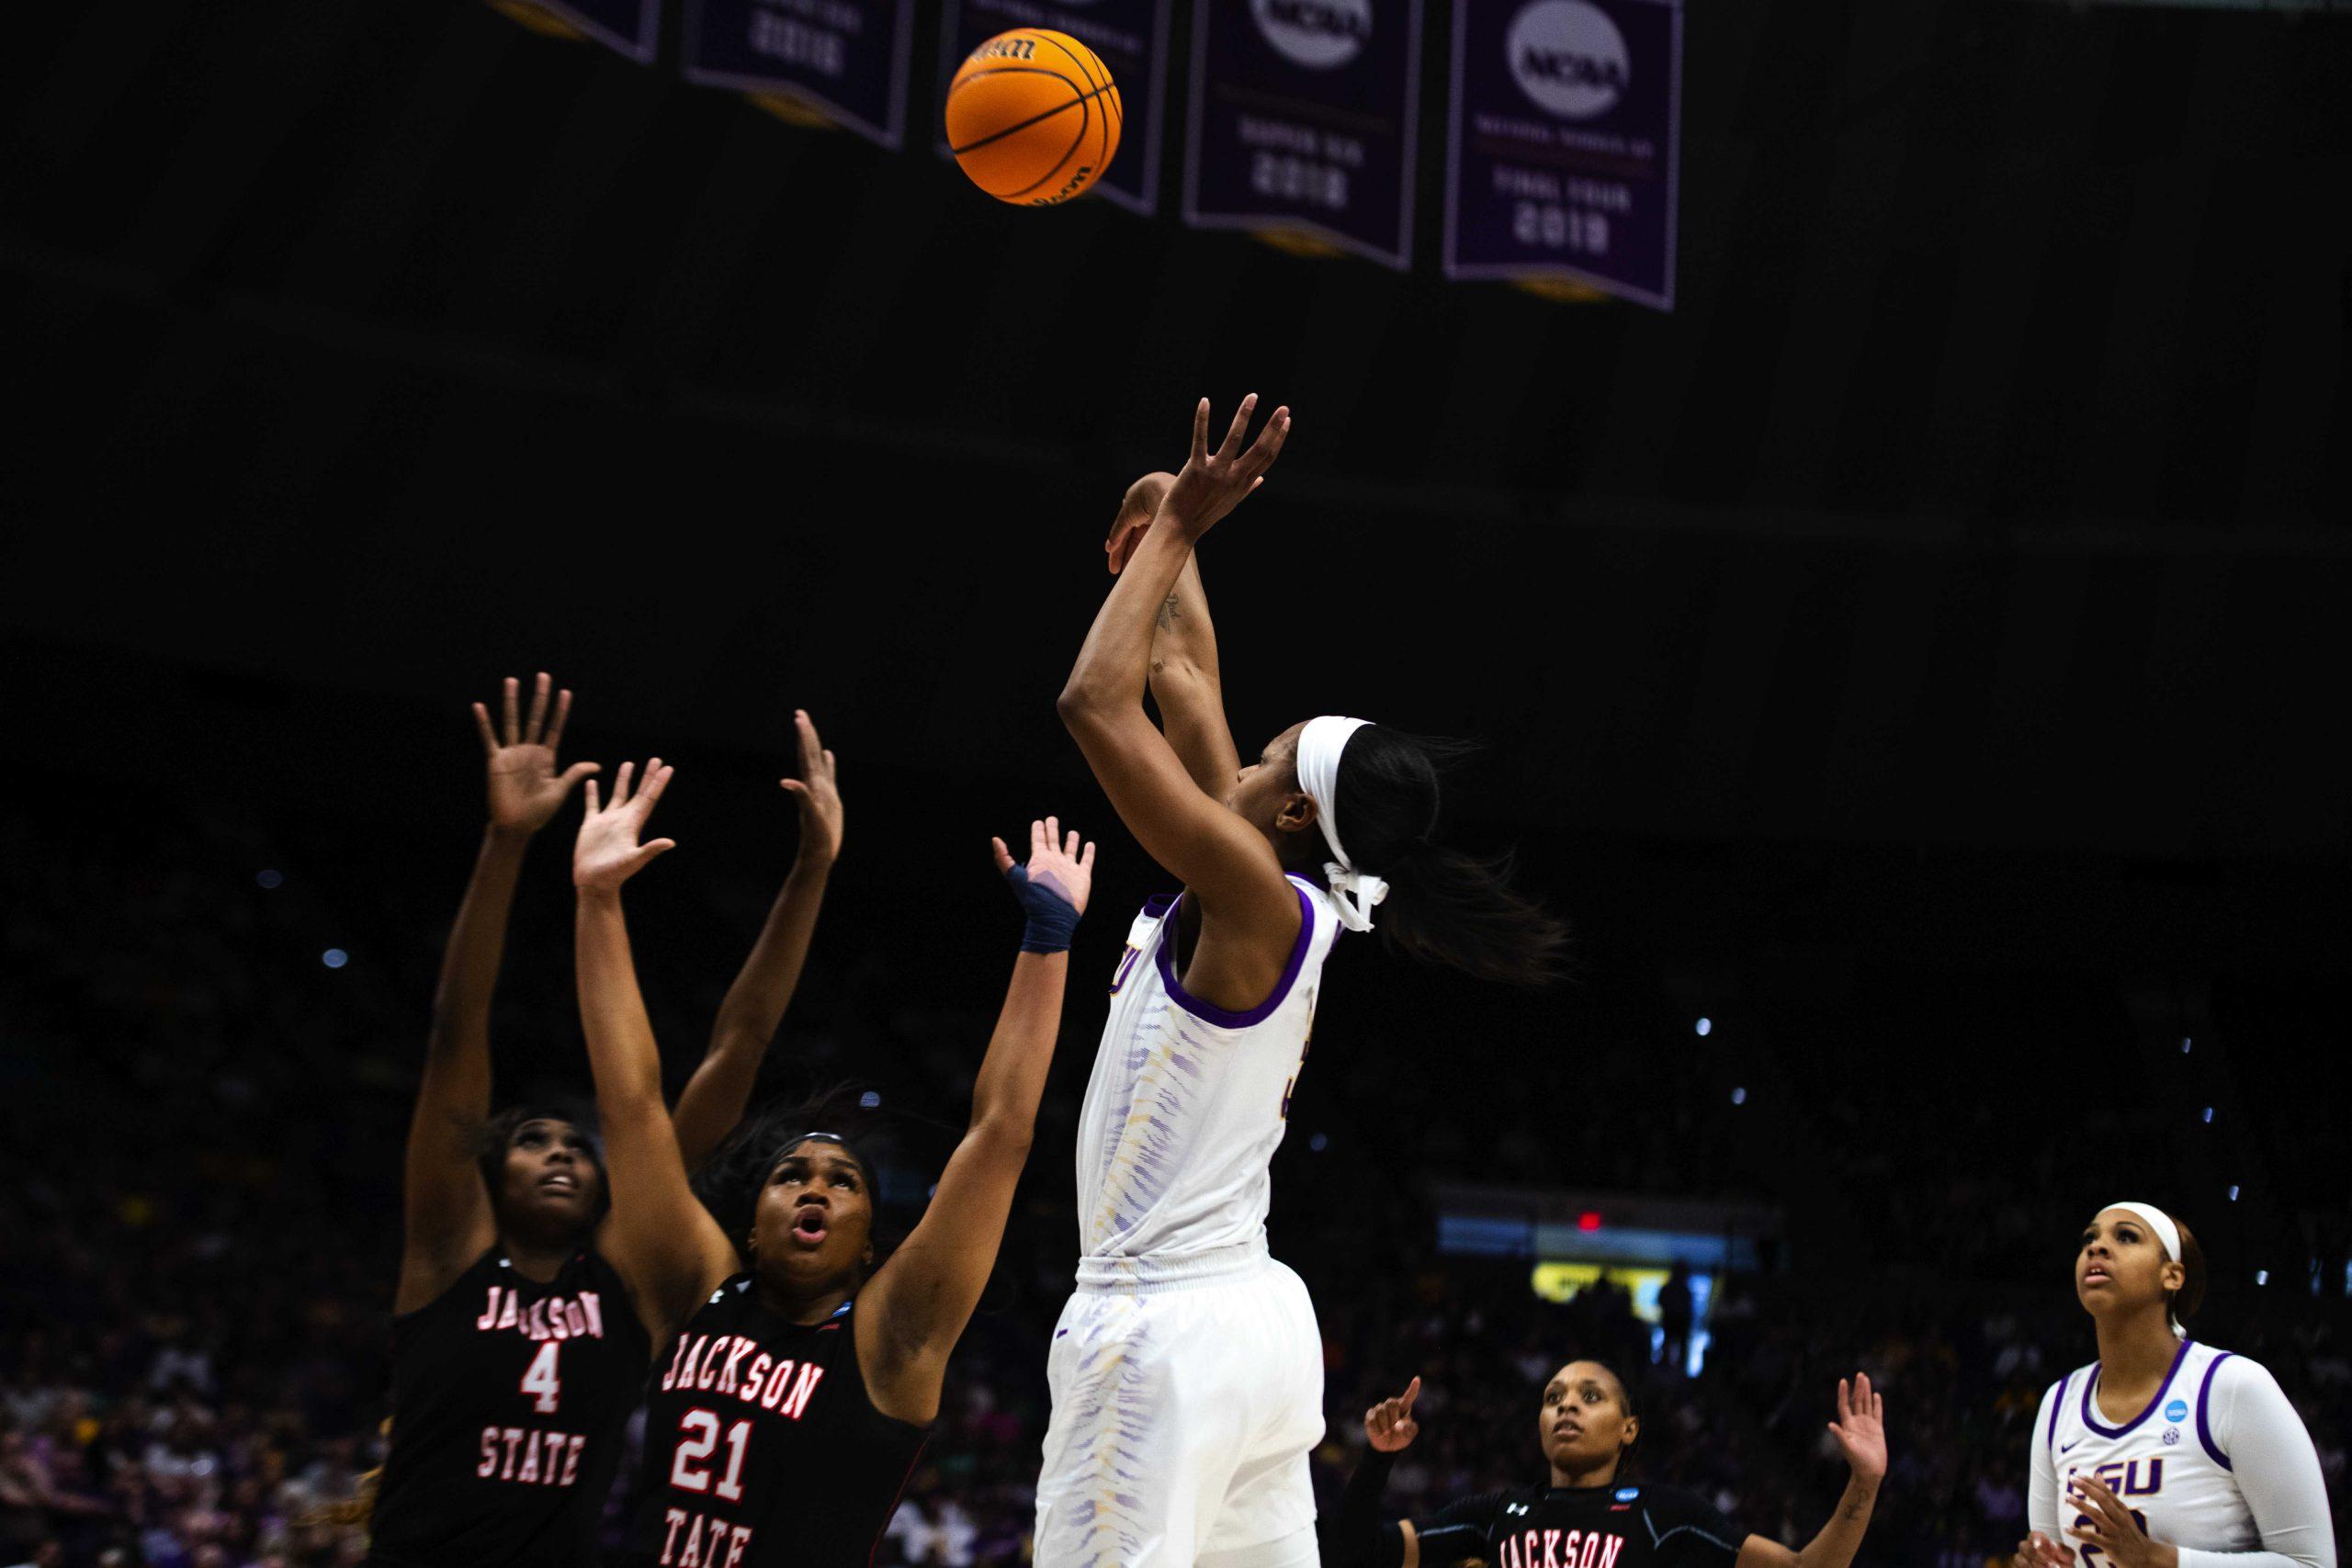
[{"x": 1214, "y": 484}]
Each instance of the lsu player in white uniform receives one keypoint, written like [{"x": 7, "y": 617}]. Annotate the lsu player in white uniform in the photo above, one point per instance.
[
  {"x": 2164, "y": 1452},
  {"x": 1187, "y": 1370}
]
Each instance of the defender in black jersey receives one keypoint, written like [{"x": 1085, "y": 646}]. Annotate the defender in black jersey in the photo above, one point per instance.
[
  {"x": 794, "y": 1392},
  {"x": 517, "y": 1351},
  {"x": 1585, "y": 1517}
]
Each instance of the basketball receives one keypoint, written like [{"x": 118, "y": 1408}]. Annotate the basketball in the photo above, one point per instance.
[{"x": 1033, "y": 116}]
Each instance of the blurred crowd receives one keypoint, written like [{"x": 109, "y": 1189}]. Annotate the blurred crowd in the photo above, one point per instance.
[{"x": 205, "y": 1093}]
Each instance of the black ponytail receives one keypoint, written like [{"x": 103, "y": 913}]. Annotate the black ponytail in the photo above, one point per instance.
[{"x": 1443, "y": 906}]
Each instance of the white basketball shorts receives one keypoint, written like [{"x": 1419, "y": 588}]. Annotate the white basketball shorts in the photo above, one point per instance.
[{"x": 1187, "y": 1395}]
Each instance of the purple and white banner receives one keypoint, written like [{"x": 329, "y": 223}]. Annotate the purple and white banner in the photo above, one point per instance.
[
  {"x": 1565, "y": 142},
  {"x": 631, "y": 27},
  {"x": 1132, "y": 37},
  {"x": 1303, "y": 113},
  {"x": 847, "y": 59}
]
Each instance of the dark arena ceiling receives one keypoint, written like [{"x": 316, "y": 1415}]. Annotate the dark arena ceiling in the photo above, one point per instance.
[{"x": 1989, "y": 486}]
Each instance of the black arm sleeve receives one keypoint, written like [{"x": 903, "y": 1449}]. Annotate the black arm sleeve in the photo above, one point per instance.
[
  {"x": 1690, "y": 1531},
  {"x": 1352, "y": 1537},
  {"x": 1459, "y": 1532}
]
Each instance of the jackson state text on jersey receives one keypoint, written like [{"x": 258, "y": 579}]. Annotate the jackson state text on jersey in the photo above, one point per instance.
[
  {"x": 537, "y": 1456},
  {"x": 1585, "y": 1527},
  {"x": 762, "y": 1448}
]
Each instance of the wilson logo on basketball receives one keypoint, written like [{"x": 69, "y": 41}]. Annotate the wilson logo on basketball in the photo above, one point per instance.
[
  {"x": 1318, "y": 34},
  {"x": 1079, "y": 180},
  {"x": 1569, "y": 58}
]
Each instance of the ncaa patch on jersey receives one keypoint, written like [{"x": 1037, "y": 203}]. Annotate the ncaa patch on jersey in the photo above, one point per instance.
[
  {"x": 1626, "y": 1494},
  {"x": 2177, "y": 1411}
]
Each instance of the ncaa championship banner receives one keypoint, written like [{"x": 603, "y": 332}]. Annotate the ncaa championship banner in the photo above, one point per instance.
[
  {"x": 1132, "y": 37},
  {"x": 1303, "y": 113},
  {"x": 631, "y": 27},
  {"x": 1565, "y": 143},
  {"x": 847, "y": 59}
]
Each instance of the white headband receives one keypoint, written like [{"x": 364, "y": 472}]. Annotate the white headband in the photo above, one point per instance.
[
  {"x": 1319, "y": 745},
  {"x": 2168, "y": 1236}
]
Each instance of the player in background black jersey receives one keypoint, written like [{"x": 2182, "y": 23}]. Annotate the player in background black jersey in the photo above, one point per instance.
[
  {"x": 517, "y": 1353},
  {"x": 1587, "y": 1516},
  {"x": 794, "y": 1392}
]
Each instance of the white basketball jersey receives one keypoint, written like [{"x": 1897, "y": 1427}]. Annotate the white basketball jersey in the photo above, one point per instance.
[
  {"x": 2166, "y": 1463},
  {"x": 1188, "y": 1101}
]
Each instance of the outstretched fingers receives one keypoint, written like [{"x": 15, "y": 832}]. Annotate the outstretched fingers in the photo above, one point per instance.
[
  {"x": 555, "y": 726},
  {"x": 657, "y": 779},
  {"x": 513, "y": 732},
  {"x": 1268, "y": 444},
  {"x": 1003, "y": 856},
  {"x": 488, "y": 736},
  {"x": 1201, "y": 432},
  {"x": 1234, "y": 433},
  {"x": 813, "y": 754},
  {"x": 621, "y": 782},
  {"x": 537, "y": 721}
]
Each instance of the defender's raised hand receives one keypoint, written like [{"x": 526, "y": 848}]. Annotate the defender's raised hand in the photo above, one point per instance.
[
  {"x": 1052, "y": 888},
  {"x": 1860, "y": 1427},
  {"x": 1214, "y": 484},
  {"x": 1056, "y": 865},
  {"x": 607, "y": 853},
  {"x": 1389, "y": 1425},
  {"x": 820, "y": 795},
  {"x": 525, "y": 791}
]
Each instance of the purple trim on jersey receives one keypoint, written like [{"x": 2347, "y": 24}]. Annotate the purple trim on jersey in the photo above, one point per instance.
[
  {"x": 1156, "y": 907},
  {"x": 2050, "y": 1439},
  {"x": 2090, "y": 1387},
  {"x": 2204, "y": 1429},
  {"x": 1209, "y": 1013}
]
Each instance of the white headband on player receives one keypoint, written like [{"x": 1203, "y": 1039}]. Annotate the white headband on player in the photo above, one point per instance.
[
  {"x": 2168, "y": 1236},
  {"x": 1319, "y": 745}
]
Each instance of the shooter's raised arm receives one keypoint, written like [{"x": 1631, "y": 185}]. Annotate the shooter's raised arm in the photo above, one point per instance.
[
  {"x": 1230, "y": 865},
  {"x": 1186, "y": 681}
]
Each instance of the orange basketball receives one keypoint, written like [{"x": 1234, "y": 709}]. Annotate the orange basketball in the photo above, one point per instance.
[{"x": 1033, "y": 116}]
